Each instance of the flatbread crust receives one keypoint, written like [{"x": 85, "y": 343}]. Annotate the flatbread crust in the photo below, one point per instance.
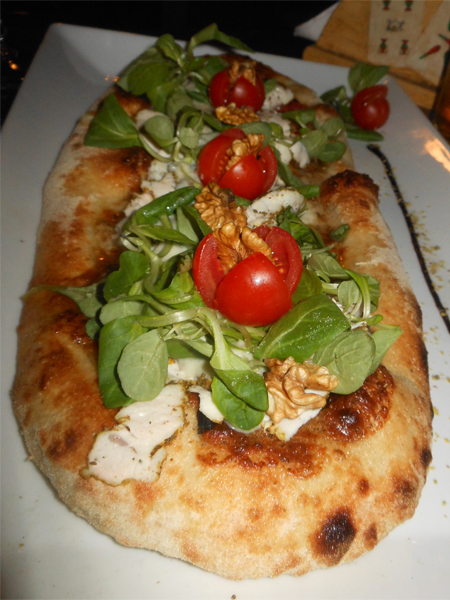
[{"x": 242, "y": 506}]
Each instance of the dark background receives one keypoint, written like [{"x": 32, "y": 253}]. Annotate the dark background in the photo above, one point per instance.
[{"x": 265, "y": 26}]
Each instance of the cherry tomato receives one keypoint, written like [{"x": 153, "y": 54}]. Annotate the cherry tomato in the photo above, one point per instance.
[
  {"x": 286, "y": 254},
  {"x": 253, "y": 293},
  {"x": 207, "y": 269},
  {"x": 243, "y": 93},
  {"x": 251, "y": 177},
  {"x": 370, "y": 109},
  {"x": 256, "y": 291}
]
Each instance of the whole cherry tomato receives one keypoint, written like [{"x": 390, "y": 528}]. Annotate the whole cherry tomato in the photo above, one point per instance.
[
  {"x": 249, "y": 178},
  {"x": 243, "y": 92},
  {"x": 370, "y": 109},
  {"x": 256, "y": 291}
]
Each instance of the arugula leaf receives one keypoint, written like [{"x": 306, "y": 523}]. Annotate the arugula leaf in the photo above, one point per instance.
[
  {"x": 145, "y": 78},
  {"x": 212, "y": 33},
  {"x": 340, "y": 233},
  {"x": 363, "y": 75},
  {"x": 132, "y": 267},
  {"x": 332, "y": 152},
  {"x": 305, "y": 236},
  {"x": 258, "y": 127},
  {"x": 181, "y": 293},
  {"x": 384, "y": 339},
  {"x": 310, "y": 285},
  {"x": 285, "y": 173},
  {"x": 114, "y": 336},
  {"x": 143, "y": 365},
  {"x": 89, "y": 299},
  {"x": 123, "y": 307},
  {"x": 270, "y": 85},
  {"x": 161, "y": 129},
  {"x": 247, "y": 386},
  {"x": 169, "y": 48},
  {"x": 235, "y": 411},
  {"x": 349, "y": 356},
  {"x": 112, "y": 127},
  {"x": 309, "y": 325}
]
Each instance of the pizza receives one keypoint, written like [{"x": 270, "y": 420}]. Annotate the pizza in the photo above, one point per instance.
[{"x": 219, "y": 342}]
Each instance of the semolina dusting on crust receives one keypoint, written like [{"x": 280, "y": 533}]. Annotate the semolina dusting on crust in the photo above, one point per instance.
[{"x": 241, "y": 506}]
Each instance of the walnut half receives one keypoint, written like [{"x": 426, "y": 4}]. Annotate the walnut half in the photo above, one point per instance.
[
  {"x": 236, "y": 116},
  {"x": 286, "y": 383},
  {"x": 234, "y": 246},
  {"x": 252, "y": 144},
  {"x": 217, "y": 206}
]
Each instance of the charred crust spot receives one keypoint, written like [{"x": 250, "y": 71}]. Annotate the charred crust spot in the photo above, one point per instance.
[
  {"x": 203, "y": 423},
  {"x": 63, "y": 446},
  {"x": 426, "y": 457},
  {"x": 404, "y": 493},
  {"x": 364, "y": 487},
  {"x": 333, "y": 539},
  {"x": 355, "y": 416},
  {"x": 371, "y": 537}
]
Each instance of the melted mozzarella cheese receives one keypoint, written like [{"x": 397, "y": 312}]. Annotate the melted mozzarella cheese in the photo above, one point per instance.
[
  {"x": 286, "y": 428},
  {"x": 207, "y": 406},
  {"x": 266, "y": 208},
  {"x": 270, "y": 116},
  {"x": 128, "y": 451},
  {"x": 300, "y": 154},
  {"x": 189, "y": 369},
  {"x": 277, "y": 97}
]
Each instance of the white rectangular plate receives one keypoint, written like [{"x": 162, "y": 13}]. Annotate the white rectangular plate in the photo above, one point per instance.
[{"x": 47, "y": 551}]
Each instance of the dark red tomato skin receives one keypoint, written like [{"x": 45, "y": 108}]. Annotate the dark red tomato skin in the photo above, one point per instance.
[
  {"x": 207, "y": 269},
  {"x": 269, "y": 165},
  {"x": 243, "y": 93},
  {"x": 370, "y": 108},
  {"x": 213, "y": 159},
  {"x": 219, "y": 89},
  {"x": 245, "y": 179},
  {"x": 253, "y": 293},
  {"x": 286, "y": 254},
  {"x": 251, "y": 177}
]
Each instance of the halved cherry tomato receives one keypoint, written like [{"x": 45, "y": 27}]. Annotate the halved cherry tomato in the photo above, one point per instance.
[
  {"x": 256, "y": 291},
  {"x": 243, "y": 93},
  {"x": 286, "y": 254},
  {"x": 251, "y": 177},
  {"x": 207, "y": 269},
  {"x": 253, "y": 293},
  {"x": 370, "y": 109}
]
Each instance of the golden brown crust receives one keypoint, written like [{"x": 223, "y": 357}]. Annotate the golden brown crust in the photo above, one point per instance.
[{"x": 331, "y": 493}]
